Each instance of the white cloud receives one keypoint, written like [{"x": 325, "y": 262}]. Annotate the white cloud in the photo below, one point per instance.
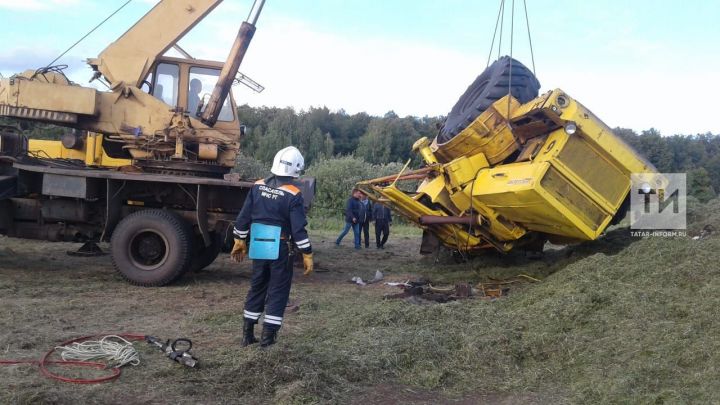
[{"x": 301, "y": 67}]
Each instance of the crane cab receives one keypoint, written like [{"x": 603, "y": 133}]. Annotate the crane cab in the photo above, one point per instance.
[{"x": 187, "y": 84}]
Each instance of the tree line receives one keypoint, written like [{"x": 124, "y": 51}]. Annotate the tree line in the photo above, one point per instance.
[
  {"x": 322, "y": 134},
  {"x": 379, "y": 140}
]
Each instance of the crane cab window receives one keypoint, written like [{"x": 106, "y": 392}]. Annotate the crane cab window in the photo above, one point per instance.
[
  {"x": 166, "y": 83},
  {"x": 202, "y": 83}
]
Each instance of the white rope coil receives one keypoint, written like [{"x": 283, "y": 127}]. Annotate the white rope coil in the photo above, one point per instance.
[{"x": 116, "y": 350}]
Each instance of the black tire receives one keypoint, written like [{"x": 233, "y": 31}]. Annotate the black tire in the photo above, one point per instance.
[
  {"x": 490, "y": 86},
  {"x": 151, "y": 247},
  {"x": 205, "y": 255}
]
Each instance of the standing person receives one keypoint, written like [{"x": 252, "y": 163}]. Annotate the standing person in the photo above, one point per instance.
[
  {"x": 383, "y": 219},
  {"x": 274, "y": 211},
  {"x": 352, "y": 213},
  {"x": 365, "y": 217}
]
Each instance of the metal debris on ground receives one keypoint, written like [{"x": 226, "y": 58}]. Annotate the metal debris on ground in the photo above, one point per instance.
[
  {"x": 705, "y": 232},
  {"x": 422, "y": 290},
  {"x": 176, "y": 350},
  {"x": 359, "y": 281}
]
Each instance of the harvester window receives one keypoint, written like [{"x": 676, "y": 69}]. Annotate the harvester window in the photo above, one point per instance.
[
  {"x": 166, "y": 83},
  {"x": 202, "y": 83}
]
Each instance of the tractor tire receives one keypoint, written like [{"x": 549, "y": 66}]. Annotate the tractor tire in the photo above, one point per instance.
[
  {"x": 152, "y": 248},
  {"x": 205, "y": 255},
  {"x": 490, "y": 86}
]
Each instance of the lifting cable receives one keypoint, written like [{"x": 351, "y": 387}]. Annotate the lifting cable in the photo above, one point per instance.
[
  {"x": 86, "y": 35},
  {"x": 500, "y": 27},
  {"x": 499, "y": 23},
  {"x": 527, "y": 23}
]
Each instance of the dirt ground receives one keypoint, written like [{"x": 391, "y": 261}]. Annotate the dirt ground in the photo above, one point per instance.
[{"x": 49, "y": 297}]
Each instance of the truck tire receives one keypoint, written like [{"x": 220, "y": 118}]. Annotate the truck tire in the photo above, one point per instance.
[
  {"x": 205, "y": 255},
  {"x": 151, "y": 247},
  {"x": 490, "y": 86}
]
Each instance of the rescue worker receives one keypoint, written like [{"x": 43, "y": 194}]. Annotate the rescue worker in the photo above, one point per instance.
[{"x": 274, "y": 211}]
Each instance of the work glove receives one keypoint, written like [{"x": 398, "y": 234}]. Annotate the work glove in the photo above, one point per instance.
[
  {"x": 239, "y": 250},
  {"x": 308, "y": 263}
]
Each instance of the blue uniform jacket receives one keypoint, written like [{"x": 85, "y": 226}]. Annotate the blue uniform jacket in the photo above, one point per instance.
[{"x": 275, "y": 201}]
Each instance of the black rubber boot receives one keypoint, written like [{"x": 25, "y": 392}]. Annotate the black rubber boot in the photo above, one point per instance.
[
  {"x": 268, "y": 337},
  {"x": 248, "y": 333}
]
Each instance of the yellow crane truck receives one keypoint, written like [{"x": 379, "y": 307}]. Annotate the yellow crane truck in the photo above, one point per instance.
[
  {"x": 145, "y": 166},
  {"x": 510, "y": 169}
]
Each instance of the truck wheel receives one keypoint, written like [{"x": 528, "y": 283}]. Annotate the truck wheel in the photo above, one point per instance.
[
  {"x": 205, "y": 255},
  {"x": 151, "y": 247},
  {"x": 490, "y": 86}
]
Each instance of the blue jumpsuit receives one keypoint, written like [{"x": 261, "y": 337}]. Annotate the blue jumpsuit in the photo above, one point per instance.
[{"x": 273, "y": 201}]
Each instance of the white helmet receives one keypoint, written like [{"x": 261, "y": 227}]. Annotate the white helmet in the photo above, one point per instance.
[{"x": 288, "y": 162}]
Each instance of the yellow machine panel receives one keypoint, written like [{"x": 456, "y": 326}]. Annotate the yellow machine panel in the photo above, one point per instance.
[
  {"x": 546, "y": 169},
  {"x": 90, "y": 151}
]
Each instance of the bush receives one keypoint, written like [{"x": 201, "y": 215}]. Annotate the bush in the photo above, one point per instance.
[
  {"x": 251, "y": 168},
  {"x": 336, "y": 177}
]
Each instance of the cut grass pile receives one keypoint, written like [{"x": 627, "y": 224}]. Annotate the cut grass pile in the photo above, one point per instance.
[{"x": 626, "y": 320}]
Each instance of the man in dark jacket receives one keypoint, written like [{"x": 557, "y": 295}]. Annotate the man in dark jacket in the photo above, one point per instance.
[
  {"x": 383, "y": 219},
  {"x": 274, "y": 211},
  {"x": 352, "y": 218},
  {"x": 365, "y": 218}
]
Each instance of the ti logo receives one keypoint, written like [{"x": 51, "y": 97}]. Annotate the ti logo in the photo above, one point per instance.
[{"x": 658, "y": 201}]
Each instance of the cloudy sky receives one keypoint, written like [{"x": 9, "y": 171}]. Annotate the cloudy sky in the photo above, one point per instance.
[{"x": 636, "y": 64}]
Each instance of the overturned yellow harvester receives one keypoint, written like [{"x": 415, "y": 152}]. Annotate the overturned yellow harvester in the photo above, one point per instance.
[{"x": 519, "y": 174}]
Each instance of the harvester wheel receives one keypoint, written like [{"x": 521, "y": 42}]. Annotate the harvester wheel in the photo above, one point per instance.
[
  {"x": 152, "y": 247},
  {"x": 205, "y": 255},
  {"x": 490, "y": 86}
]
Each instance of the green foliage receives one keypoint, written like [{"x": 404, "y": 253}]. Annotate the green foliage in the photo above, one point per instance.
[
  {"x": 319, "y": 133},
  {"x": 700, "y": 184},
  {"x": 35, "y": 130},
  {"x": 696, "y": 155},
  {"x": 389, "y": 139},
  {"x": 336, "y": 177},
  {"x": 251, "y": 168}
]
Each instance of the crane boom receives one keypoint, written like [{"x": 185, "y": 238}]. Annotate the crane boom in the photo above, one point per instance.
[
  {"x": 129, "y": 59},
  {"x": 232, "y": 64}
]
